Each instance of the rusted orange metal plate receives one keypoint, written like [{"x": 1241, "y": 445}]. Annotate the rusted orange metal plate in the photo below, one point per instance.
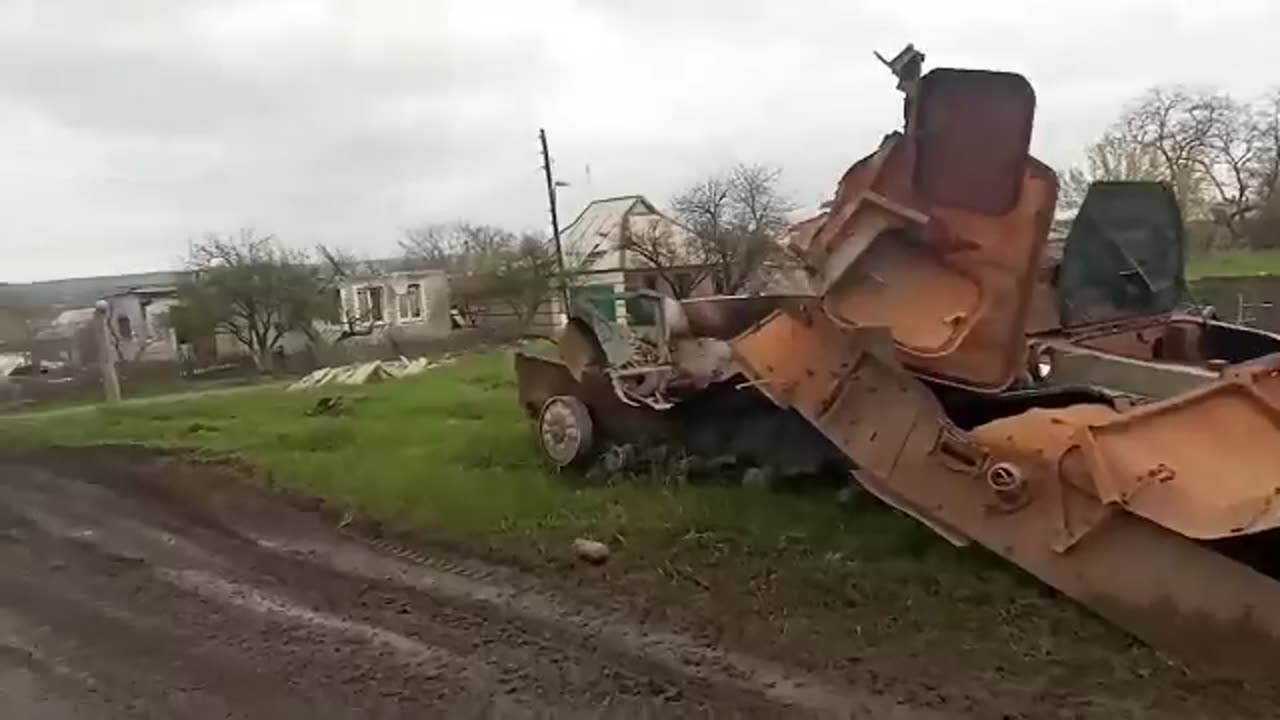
[
  {"x": 943, "y": 254},
  {"x": 1169, "y": 589},
  {"x": 956, "y": 298},
  {"x": 927, "y": 302},
  {"x": 974, "y": 127},
  {"x": 1205, "y": 464}
]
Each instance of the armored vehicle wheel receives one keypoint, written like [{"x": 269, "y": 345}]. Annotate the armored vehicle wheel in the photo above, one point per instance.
[{"x": 565, "y": 431}]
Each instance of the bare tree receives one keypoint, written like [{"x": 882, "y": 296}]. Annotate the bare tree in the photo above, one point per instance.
[
  {"x": 1177, "y": 125},
  {"x": 252, "y": 288},
  {"x": 526, "y": 276},
  {"x": 675, "y": 256},
  {"x": 463, "y": 247},
  {"x": 1220, "y": 156},
  {"x": 471, "y": 253},
  {"x": 706, "y": 207},
  {"x": 1266, "y": 168},
  {"x": 1163, "y": 136},
  {"x": 736, "y": 217},
  {"x": 490, "y": 265},
  {"x": 1233, "y": 150},
  {"x": 1114, "y": 156},
  {"x": 436, "y": 246},
  {"x": 1119, "y": 156},
  {"x": 1264, "y": 227}
]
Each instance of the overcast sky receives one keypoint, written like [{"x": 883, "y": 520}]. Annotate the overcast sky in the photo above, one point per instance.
[{"x": 130, "y": 126}]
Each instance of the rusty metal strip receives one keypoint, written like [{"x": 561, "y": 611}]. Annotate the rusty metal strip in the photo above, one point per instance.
[{"x": 1074, "y": 366}]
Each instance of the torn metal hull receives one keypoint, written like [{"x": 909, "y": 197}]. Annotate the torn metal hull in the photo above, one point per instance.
[{"x": 1110, "y": 507}]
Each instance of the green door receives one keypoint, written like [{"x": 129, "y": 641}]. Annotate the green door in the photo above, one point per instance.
[{"x": 600, "y": 298}]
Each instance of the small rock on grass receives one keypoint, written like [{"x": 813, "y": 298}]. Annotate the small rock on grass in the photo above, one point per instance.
[
  {"x": 591, "y": 551},
  {"x": 760, "y": 478},
  {"x": 845, "y": 495}
]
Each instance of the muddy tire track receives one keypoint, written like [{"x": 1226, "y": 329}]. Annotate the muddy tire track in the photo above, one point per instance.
[{"x": 122, "y": 599}]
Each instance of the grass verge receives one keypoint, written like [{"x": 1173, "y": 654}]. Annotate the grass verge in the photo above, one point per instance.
[
  {"x": 1231, "y": 263},
  {"x": 450, "y": 453}
]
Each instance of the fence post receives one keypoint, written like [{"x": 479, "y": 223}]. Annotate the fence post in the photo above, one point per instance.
[{"x": 106, "y": 359}]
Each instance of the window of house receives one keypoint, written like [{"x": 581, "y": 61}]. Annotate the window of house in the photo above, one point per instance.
[
  {"x": 411, "y": 302},
  {"x": 124, "y": 327},
  {"x": 362, "y": 302},
  {"x": 369, "y": 303}
]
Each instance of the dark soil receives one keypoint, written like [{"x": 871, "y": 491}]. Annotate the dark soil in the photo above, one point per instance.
[{"x": 138, "y": 584}]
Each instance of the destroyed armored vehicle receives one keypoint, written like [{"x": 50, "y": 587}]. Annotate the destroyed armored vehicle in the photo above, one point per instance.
[{"x": 1123, "y": 453}]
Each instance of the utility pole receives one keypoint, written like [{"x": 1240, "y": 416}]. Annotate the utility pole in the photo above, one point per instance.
[{"x": 555, "y": 222}]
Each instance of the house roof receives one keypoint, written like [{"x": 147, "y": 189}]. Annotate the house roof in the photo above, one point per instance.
[
  {"x": 598, "y": 226},
  {"x": 148, "y": 291},
  {"x": 76, "y": 292},
  {"x": 599, "y": 221},
  {"x": 73, "y": 317},
  {"x": 67, "y": 323},
  {"x": 391, "y": 268}
]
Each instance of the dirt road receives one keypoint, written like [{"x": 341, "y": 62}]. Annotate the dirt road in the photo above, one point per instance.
[
  {"x": 136, "y": 584},
  {"x": 127, "y": 593}
]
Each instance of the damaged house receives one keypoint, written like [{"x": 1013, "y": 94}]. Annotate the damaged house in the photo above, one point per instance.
[{"x": 411, "y": 304}]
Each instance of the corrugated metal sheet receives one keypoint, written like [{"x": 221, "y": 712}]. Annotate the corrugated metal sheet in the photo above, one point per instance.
[
  {"x": 74, "y": 317},
  {"x": 10, "y": 362}
]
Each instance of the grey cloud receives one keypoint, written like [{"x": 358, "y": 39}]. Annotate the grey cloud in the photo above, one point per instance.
[
  {"x": 122, "y": 91},
  {"x": 134, "y": 124}
]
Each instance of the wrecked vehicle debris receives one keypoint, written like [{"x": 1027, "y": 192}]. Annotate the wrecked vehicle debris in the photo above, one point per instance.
[
  {"x": 366, "y": 372},
  {"x": 1147, "y": 495},
  {"x": 672, "y": 384},
  {"x": 1110, "y": 314}
]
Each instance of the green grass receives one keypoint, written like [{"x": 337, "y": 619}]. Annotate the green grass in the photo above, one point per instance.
[
  {"x": 450, "y": 453},
  {"x": 448, "y": 450},
  {"x": 1230, "y": 263}
]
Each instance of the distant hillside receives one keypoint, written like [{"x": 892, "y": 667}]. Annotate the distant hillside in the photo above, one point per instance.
[{"x": 79, "y": 292}]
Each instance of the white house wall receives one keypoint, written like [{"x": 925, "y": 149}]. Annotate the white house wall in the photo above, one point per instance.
[
  {"x": 434, "y": 301},
  {"x": 597, "y": 227},
  {"x": 152, "y": 340}
]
